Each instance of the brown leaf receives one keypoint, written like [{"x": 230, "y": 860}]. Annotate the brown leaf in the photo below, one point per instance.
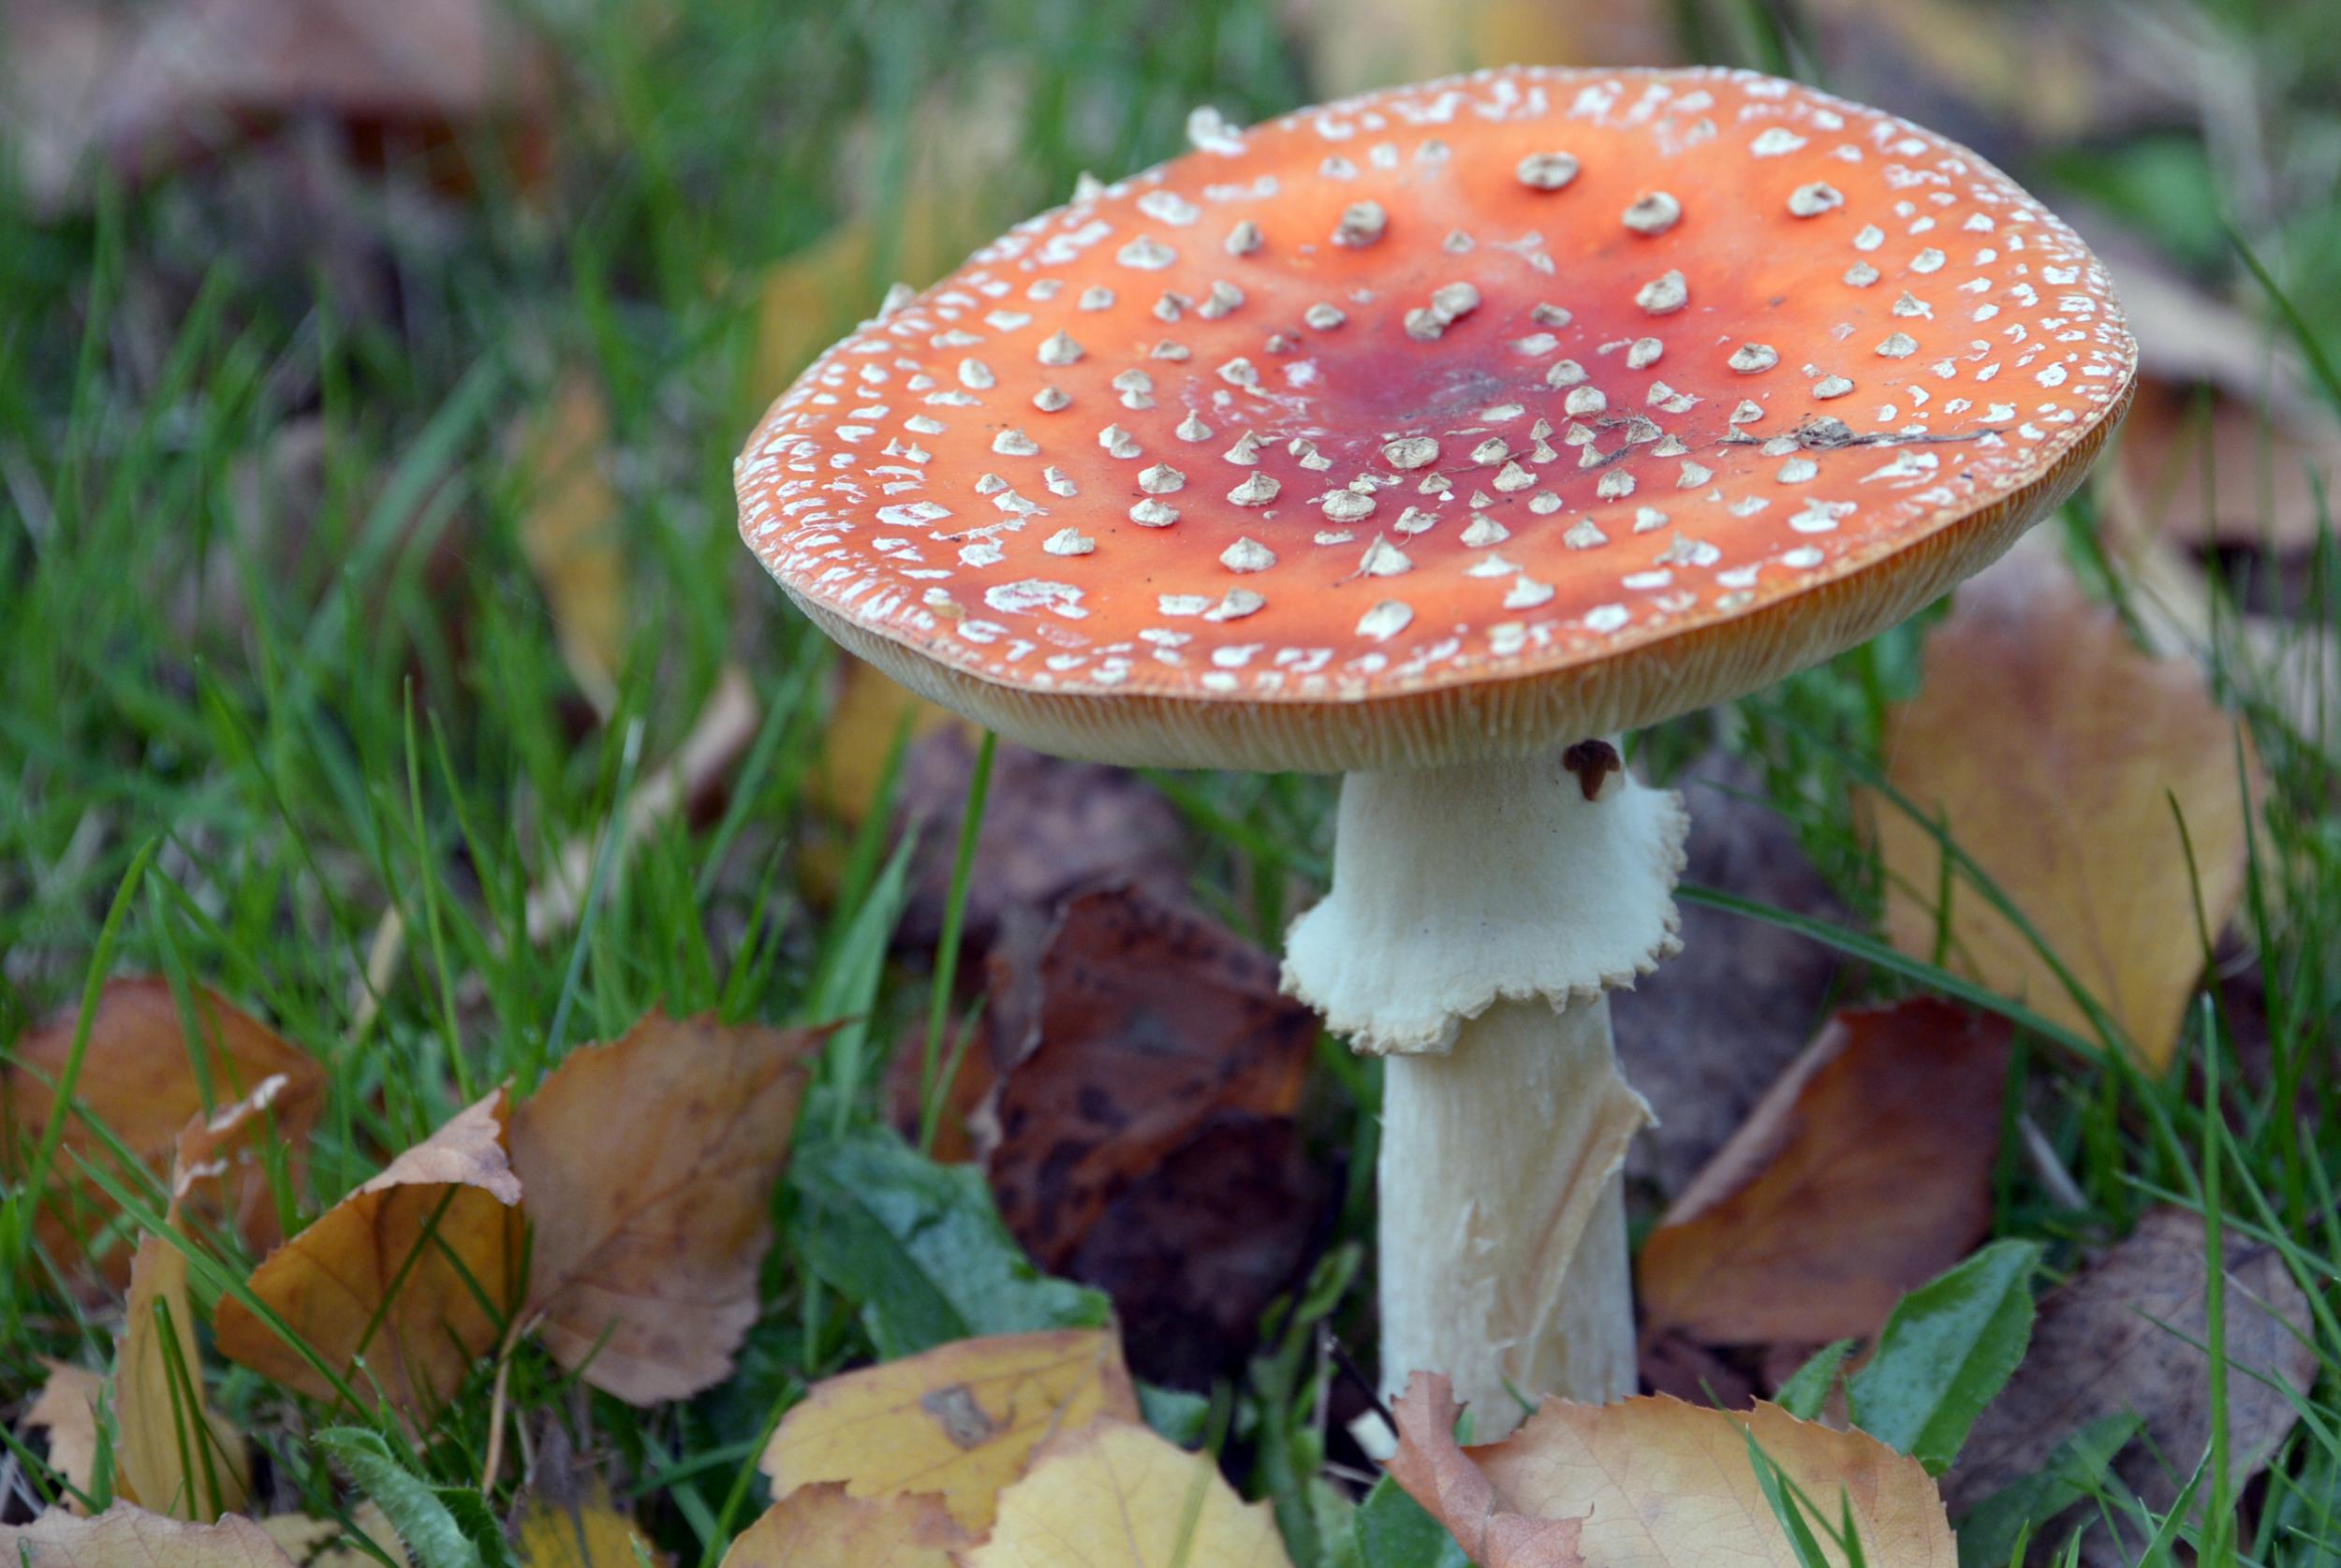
[
  {"x": 1703, "y": 1037},
  {"x": 139, "y": 89},
  {"x": 1863, "y": 1173},
  {"x": 1656, "y": 1482},
  {"x": 124, "y": 1536},
  {"x": 67, "y": 1410},
  {"x": 569, "y": 529},
  {"x": 1051, "y": 827},
  {"x": 143, "y": 1079},
  {"x": 825, "y": 1526},
  {"x": 1196, "y": 1249},
  {"x": 2052, "y": 748},
  {"x": 959, "y": 1420},
  {"x": 2205, "y": 468},
  {"x": 2121, "y": 1337},
  {"x": 1116, "y": 1496},
  {"x": 649, "y": 1165},
  {"x": 1134, "y": 1024},
  {"x": 441, "y": 1219}
]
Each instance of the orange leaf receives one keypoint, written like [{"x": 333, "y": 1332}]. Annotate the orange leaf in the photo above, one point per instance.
[
  {"x": 959, "y": 1420},
  {"x": 824, "y": 1526},
  {"x": 2052, "y": 750},
  {"x": 649, "y": 1165},
  {"x": 1659, "y": 1483},
  {"x": 388, "y": 1272},
  {"x": 141, "y": 1080},
  {"x": 1865, "y": 1172}
]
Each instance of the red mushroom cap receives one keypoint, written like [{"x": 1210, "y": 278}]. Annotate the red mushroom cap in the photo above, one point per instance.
[{"x": 1453, "y": 419}]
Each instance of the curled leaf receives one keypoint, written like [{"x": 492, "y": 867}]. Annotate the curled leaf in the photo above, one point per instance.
[{"x": 416, "y": 1272}]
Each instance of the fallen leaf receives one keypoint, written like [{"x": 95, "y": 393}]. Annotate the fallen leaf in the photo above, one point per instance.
[
  {"x": 921, "y": 1247},
  {"x": 2121, "y": 1338},
  {"x": 135, "y": 89},
  {"x": 1656, "y": 1482},
  {"x": 325, "y": 1543},
  {"x": 825, "y": 1526},
  {"x": 867, "y": 711},
  {"x": 586, "y": 1533},
  {"x": 1134, "y": 1024},
  {"x": 2052, "y": 748},
  {"x": 124, "y": 1536},
  {"x": 1195, "y": 1251},
  {"x": 959, "y": 1421},
  {"x": 1863, "y": 1173},
  {"x": 67, "y": 1410},
  {"x": 1051, "y": 827},
  {"x": 441, "y": 1219},
  {"x": 141, "y": 1080},
  {"x": 1704, "y": 1036},
  {"x": 649, "y": 1164},
  {"x": 1117, "y": 1496},
  {"x": 2208, "y": 469},
  {"x": 569, "y": 530}
]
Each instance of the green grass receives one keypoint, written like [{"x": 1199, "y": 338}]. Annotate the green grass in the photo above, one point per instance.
[{"x": 245, "y": 719}]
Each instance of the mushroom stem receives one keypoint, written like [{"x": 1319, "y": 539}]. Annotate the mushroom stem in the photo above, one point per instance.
[{"x": 1478, "y": 916}]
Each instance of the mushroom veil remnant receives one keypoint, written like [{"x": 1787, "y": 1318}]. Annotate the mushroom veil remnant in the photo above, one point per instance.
[{"x": 1437, "y": 439}]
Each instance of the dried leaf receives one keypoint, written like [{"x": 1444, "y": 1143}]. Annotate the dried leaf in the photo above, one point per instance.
[
  {"x": 1051, "y": 827},
  {"x": 587, "y": 1533},
  {"x": 569, "y": 530},
  {"x": 2209, "y": 469},
  {"x": 1703, "y": 1037},
  {"x": 324, "y": 1543},
  {"x": 1117, "y": 1496},
  {"x": 1656, "y": 1482},
  {"x": 1865, "y": 1172},
  {"x": 1135, "y": 1023},
  {"x": 649, "y": 1164},
  {"x": 124, "y": 1536},
  {"x": 441, "y": 1220},
  {"x": 825, "y": 1526},
  {"x": 67, "y": 1410},
  {"x": 1196, "y": 1251},
  {"x": 2052, "y": 751},
  {"x": 143, "y": 1079},
  {"x": 2121, "y": 1338},
  {"x": 959, "y": 1421}
]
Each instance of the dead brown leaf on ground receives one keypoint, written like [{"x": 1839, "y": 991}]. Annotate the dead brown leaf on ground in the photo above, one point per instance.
[
  {"x": 124, "y": 1536},
  {"x": 826, "y": 1526},
  {"x": 66, "y": 1411},
  {"x": 2121, "y": 1337},
  {"x": 1865, "y": 1172},
  {"x": 143, "y": 1079},
  {"x": 1656, "y": 1482},
  {"x": 388, "y": 1272},
  {"x": 2052, "y": 748},
  {"x": 959, "y": 1421},
  {"x": 1703, "y": 1037},
  {"x": 648, "y": 1165},
  {"x": 132, "y": 89}
]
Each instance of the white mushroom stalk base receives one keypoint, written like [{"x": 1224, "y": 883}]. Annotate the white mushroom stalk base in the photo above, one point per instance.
[{"x": 1478, "y": 916}]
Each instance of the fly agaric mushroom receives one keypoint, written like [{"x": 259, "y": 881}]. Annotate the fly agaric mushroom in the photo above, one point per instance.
[{"x": 1437, "y": 437}]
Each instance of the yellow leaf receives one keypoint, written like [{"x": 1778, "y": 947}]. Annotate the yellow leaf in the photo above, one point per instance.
[
  {"x": 569, "y": 532},
  {"x": 324, "y": 1543},
  {"x": 871, "y": 710},
  {"x": 591, "y": 1534},
  {"x": 649, "y": 1165},
  {"x": 66, "y": 1409},
  {"x": 2052, "y": 748},
  {"x": 1659, "y": 1483},
  {"x": 823, "y": 1526},
  {"x": 439, "y": 1221},
  {"x": 959, "y": 1420},
  {"x": 1117, "y": 1496},
  {"x": 127, "y": 1537}
]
